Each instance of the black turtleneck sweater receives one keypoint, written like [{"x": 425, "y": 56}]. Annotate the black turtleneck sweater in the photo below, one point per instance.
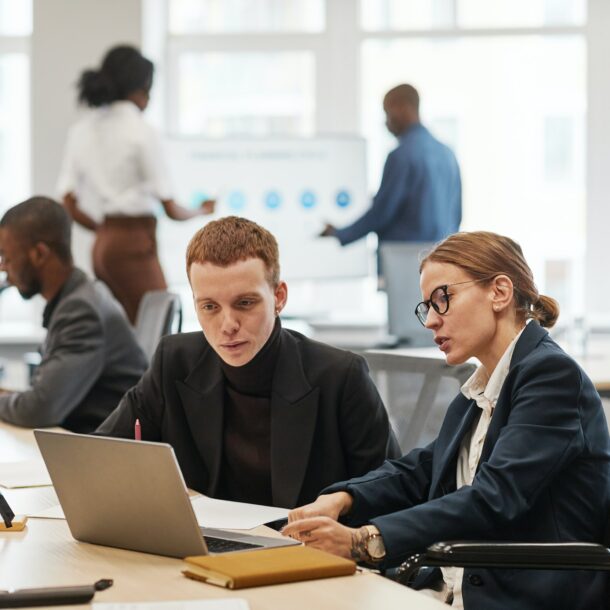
[{"x": 246, "y": 461}]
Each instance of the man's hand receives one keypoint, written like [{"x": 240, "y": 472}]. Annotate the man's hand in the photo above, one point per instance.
[
  {"x": 326, "y": 505},
  {"x": 328, "y": 231}
]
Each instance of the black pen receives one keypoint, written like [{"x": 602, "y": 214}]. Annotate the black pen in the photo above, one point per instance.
[
  {"x": 5, "y": 510},
  {"x": 52, "y": 596}
]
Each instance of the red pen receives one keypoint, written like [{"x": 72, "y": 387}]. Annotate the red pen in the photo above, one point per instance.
[{"x": 137, "y": 431}]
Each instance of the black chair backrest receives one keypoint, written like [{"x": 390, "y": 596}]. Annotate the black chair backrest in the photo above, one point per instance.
[{"x": 159, "y": 314}]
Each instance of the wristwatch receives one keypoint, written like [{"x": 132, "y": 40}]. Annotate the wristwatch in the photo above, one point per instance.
[{"x": 375, "y": 548}]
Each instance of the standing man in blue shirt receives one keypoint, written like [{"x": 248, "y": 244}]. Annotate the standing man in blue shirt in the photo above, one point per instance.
[{"x": 420, "y": 195}]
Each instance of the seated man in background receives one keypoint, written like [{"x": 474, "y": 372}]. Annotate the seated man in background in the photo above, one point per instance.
[
  {"x": 255, "y": 413},
  {"x": 90, "y": 356}
]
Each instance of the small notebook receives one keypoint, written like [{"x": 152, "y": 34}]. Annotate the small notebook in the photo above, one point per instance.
[{"x": 266, "y": 567}]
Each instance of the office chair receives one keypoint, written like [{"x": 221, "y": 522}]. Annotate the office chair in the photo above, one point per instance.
[
  {"x": 416, "y": 391},
  {"x": 159, "y": 314},
  {"x": 509, "y": 555},
  {"x": 400, "y": 269}
]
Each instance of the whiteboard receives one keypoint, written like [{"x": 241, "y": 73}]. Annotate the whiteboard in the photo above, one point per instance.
[{"x": 290, "y": 186}]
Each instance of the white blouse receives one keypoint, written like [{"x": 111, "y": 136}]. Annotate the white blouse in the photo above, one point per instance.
[
  {"x": 484, "y": 390},
  {"x": 113, "y": 163}
]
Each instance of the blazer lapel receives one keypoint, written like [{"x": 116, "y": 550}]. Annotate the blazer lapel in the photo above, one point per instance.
[
  {"x": 202, "y": 394},
  {"x": 449, "y": 454},
  {"x": 294, "y": 408},
  {"x": 530, "y": 338}
]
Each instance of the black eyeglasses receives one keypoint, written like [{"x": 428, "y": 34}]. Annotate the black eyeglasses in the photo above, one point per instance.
[{"x": 439, "y": 300}]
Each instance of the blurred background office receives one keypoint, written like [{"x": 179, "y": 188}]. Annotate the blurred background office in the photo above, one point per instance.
[{"x": 517, "y": 88}]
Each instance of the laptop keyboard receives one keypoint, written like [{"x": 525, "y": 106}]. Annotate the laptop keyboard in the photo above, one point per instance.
[{"x": 222, "y": 545}]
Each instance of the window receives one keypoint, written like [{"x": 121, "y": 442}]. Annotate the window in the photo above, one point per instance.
[
  {"x": 511, "y": 104},
  {"x": 520, "y": 13},
  {"x": 379, "y": 15},
  {"x": 15, "y": 17},
  {"x": 253, "y": 85},
  {"x": 15, "y": 28},
  {"x": 396, "y": 15},
  {"x": 223, "y": 16},
  {"x": 223, "y": 94}
]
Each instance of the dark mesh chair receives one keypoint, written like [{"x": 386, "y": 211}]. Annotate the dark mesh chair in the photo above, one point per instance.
[
  {"x": 159, "y": 314},
  {"x": 416, "y": 390}
]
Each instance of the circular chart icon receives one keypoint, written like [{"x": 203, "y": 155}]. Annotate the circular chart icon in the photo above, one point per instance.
[
  {"x": 308, "y": 199},
  {"x": 237, "y": 201},
  {"x": 343, "y": 199},
  {"x": 197, "y": 198},
  {"x": 273, "y": 200}
]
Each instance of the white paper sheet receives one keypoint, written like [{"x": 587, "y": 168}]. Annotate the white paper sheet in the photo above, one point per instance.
[
  {"x": 234, "y": 515},
  {"x": 27, "y": 473},
  {"x": 52, "y": 512},
  {"x": 210, "y": 513},
  {"x": 231, "y": 603}
]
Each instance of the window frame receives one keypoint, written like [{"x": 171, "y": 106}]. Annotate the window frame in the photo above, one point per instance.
[{"x": 20, "y": 45}]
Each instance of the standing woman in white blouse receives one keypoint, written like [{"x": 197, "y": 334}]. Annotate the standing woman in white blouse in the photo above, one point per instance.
[{"x": 113, "y": 175}]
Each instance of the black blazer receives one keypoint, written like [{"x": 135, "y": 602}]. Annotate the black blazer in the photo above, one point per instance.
[
  {"x": 327, "y": 420},
  {"x": 543, "y": 476}
]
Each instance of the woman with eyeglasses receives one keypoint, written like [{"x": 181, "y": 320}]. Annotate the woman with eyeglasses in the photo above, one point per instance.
[{"x": 523, "y": 453}]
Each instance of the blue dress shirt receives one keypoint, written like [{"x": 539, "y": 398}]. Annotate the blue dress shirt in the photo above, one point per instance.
[{"x": 420, "y": 195}]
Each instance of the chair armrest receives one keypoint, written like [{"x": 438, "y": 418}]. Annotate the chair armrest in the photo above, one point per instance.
[
  {"x": 542, "y": 555},
  {"x": 527, "y": 555}
]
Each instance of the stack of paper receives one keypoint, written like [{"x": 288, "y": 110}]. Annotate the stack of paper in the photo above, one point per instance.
[
  {"x": 223, "y": 514},
  {"x": 218, "y": 514},
  {"x": 27, "y": 473}
]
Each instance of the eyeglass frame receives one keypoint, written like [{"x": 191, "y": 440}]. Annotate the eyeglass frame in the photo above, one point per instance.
[{"x": 430, "y": 304}]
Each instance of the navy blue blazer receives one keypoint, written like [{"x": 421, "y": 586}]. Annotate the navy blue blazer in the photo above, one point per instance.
[{"x": 544, "y": 475}]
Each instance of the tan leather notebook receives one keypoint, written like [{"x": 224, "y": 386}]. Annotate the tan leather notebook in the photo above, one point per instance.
[{"x": 266, "y": 567}]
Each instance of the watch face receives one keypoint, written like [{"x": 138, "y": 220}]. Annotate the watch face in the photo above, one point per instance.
[{"x": 375, "y": 547}]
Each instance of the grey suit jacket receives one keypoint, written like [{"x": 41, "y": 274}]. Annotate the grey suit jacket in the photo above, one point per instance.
[
  {"x": 327, "y": 420},
  {"x": 90, "y": 358}
]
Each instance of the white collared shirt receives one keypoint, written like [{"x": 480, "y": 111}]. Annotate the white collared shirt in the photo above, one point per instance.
[
  {"x": 484, "y": 390},
  {"x": 113, "y": 163}
]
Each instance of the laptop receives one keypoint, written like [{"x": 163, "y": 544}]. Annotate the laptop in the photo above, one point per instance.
[{"x": 131, "y": 495}]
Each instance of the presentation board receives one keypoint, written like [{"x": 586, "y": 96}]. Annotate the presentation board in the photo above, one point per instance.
[{"x": 290, "y": 186}]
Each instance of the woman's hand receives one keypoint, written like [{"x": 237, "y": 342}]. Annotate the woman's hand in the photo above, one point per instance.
[
  {"x": 71, "y": 204},
  {"x": 207, "y": 206},
  {"x": 177, "y": 212},
  {"x": 326, "y": 505},
  {"x": 325, "y": 534}
]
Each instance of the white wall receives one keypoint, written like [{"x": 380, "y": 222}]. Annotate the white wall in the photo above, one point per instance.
[
  {"x": 597, "y": 281},
  {"x": 69, "y": 36}
]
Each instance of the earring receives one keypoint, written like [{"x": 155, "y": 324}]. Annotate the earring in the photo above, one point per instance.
[
  {"x": 496, "y": 308},
  {"x": 277, "y": 312}
]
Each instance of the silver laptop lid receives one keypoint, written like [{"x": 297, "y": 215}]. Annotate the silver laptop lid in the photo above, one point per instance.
[{"x": 122, "y": 493}]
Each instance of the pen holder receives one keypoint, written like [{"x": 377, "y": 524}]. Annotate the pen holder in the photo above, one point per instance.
[{"x": 18, "y": 525}]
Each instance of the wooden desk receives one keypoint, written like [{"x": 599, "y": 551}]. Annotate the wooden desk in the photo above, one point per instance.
[{"x": 45, "y": 554}]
